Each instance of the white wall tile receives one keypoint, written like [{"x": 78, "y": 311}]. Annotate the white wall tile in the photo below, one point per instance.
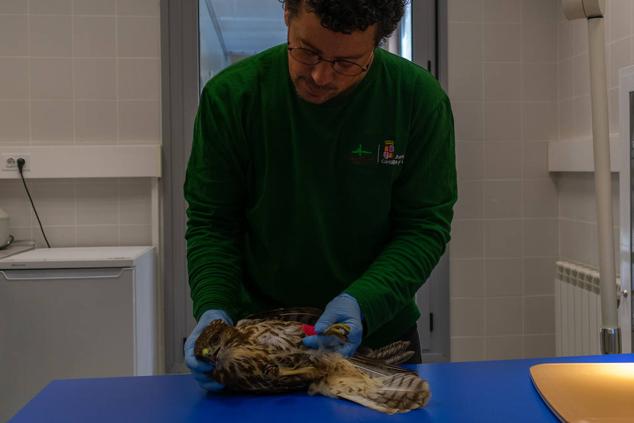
[
  {"x": 502, "y": 199},
  {"x": 619, "y": 19},
  {"x": 535, "y": 160},
  {"x": 470, "y": 200},
  {"x": 469, "y": 161},
  {"x": 95, "y": 79},
  {"x": 96, "y": 122},
  {"x": 466, "y": 81},
  {"x": 537, "y": 42},
  {"x": 14, "y": 203},
  {"x": 619, "y": 55},
  {"x": 465, "y": 42},
  {"x": 135, "y": 202},
  {"x": 51, "y": 78},
  {"x": 540, "y": 82},
  {"x": 540, "y": 238},
  {"x": 501, "y": 42},
  {"x": 582, "y": 110},
  {"x": 504, "y": 316},
  {"x": 97, "y": 236},
  {"x": 14, "y": 35},
  {"x": 539, "y": 314},
  {"x": 564, "y": 40},
  {"x": 50, "y": 35},
  {"x": 503, "y": 121},
  {"x": 566, "y": 119},
  {"x": 466, "y": 239},
  {"x": 467, "y": 317},
  {"x": 565, "y": 79},
  {"x": 539, "y": 11},
  {"x": 97, "y": 202},
  {"x": 138, "y": 36},
  {"x": 502, "y": 160},
  {"x": 467, "y": 278},
  {"x": 501, "y": 81},
  {"x": 14, "y": 82},
  {"x": 94, "y": 36},
  {"x": 503, "y": 238},
  {"x": 580, "y": 75},
  {"x": 58, "y": 236},
  {"x": 50, "y": 7},
  {"x": 503, "y": 277},
  {"x": 502, "y": 11},
  {"x": 579, "y": 36},
  {"x": 135, "y": 235},
  {"x": 94, "y": 7},
  {"x": 13, "y": 6},
  {"x": 138, "y": 7},
  {"x": 540, "y": 198},
  {"x": 468, "y": 120},
  {"x": 465, "y": 10},
  {"x": 539, "y": 346},
  {"x": 139, "y": 122},
  {"x": 539, "y": 276},
  {"x": 504, "y": 347},
  {"x": 467, "y": 349},
  {"x": 14, "y": 122},
  {"x": 52, "y": 122},
  {"x": 55, "y": 202},
  {"x": 139, "y": 79},
  {"x": 540, "y": 121}
]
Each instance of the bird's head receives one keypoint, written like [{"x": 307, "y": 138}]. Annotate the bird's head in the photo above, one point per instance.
[{"x": 212, "y": 340}]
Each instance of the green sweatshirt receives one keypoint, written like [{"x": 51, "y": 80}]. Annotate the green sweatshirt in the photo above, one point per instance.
[{"x": 292, "y": 203}]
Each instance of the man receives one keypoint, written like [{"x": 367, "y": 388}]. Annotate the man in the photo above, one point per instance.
[{"x": 322, "y": 174}]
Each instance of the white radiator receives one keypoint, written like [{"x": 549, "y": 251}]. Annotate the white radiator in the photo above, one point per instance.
[{"x": 577, "y": 310}]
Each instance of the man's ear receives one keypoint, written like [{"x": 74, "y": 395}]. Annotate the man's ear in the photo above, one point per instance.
[{"x": 287, "y": 15}]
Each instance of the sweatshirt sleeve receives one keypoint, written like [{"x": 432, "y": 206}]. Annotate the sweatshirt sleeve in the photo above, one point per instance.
[
  {"x": 422, "y": 209},
  {"x": 214, "y": 191}
]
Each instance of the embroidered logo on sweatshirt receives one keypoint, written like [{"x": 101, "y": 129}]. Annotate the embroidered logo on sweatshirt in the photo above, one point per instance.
[
  {"x": 361, "y": 156},
  {"x": 387, "y": 155}
]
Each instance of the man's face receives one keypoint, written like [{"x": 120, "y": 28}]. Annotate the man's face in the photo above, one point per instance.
[{"x": 320, "y": 83}]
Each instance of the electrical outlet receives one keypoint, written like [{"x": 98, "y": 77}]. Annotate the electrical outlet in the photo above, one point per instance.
[{"x": 10, "y": 161}]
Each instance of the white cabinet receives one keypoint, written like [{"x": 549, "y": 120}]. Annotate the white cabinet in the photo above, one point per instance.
[{"x": 72, "y": 313}]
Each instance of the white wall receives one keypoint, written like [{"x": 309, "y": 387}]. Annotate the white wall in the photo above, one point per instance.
[
  {"x": 80, "y": 72},
  {"x": 519, "y": 77},
  {"x": 502, "y": 83}
]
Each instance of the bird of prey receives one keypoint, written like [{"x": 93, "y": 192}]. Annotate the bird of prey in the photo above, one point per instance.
[{"x": 265, "y": 354}]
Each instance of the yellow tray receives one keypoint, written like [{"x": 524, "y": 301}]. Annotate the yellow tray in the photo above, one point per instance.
[{"x": 587, "y": 392}]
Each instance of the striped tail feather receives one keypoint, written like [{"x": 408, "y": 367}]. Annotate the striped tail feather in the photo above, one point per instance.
[
  {"x": 306, "y": 315},
  {"x": 394, "y": 353},
  {"x": 382, "y": 387}
]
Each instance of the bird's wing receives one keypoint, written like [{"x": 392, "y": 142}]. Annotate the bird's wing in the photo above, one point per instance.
[
  {"x": 380, "y": 386},
  {"x": 306, "y": 315},
  {"x": 395, "y": 353}
]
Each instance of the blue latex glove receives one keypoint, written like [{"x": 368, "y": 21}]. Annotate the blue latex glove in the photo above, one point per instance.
[
  {"x": 200, "y": 369},
  {"x": 344, "y": 308}
]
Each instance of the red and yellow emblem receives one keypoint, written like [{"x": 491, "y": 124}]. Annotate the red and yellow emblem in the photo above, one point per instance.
[{"x": 388, "y": 150}]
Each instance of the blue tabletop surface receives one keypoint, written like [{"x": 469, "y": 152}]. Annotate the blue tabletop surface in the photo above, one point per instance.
[{"x": 486, "y": 391}]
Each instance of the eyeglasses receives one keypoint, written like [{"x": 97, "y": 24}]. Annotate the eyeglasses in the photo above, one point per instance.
[{"x": 342, "y": 66}]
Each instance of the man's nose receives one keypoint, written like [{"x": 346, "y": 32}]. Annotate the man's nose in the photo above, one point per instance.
[{"x": 323, "y": 73}]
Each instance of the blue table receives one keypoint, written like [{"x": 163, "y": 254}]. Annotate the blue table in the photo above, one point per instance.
[{"x": 490, "y": 391}]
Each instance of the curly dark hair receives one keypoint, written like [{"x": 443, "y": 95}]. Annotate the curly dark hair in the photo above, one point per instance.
[{"x": 346, "y": 16}]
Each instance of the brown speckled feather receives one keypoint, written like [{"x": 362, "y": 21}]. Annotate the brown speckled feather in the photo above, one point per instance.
[{"x": 264, "y": 354}]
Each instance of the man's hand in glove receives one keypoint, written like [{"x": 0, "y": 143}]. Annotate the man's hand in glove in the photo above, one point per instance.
[
  {"x": 199, "y": 369},
  {"x": 343, "y": 309}
]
